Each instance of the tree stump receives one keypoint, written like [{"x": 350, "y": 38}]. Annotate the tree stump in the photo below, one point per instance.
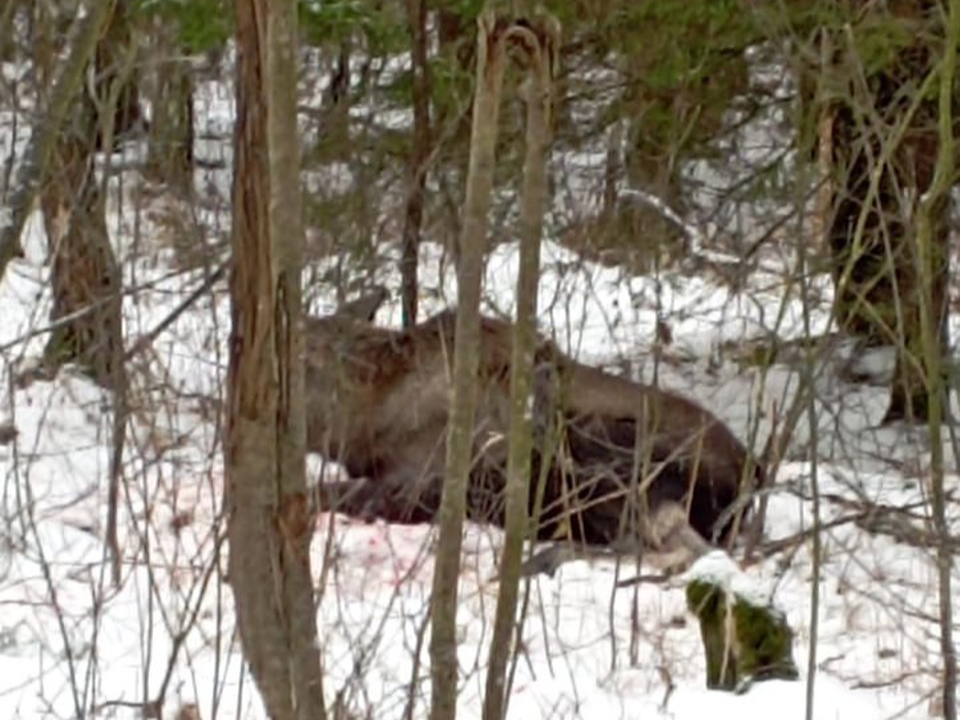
[{"x": 745, "y": 638}]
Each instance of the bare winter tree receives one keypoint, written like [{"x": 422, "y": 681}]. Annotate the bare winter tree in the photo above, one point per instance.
[
  {"x": 171, "y": 128},
  {"x": 413, "y": 219},
  {"x": 885, "y": 145},
  {"x": 86, "y": 278},
  {"x": 491, "y": 54},
  {"x": 118, "y": 76},
  {"x": 540, "y": 46},
  {"x": 890, "y": 141},
  {"x": 64, "y": 88},
  {"x": 270, "y": 523},
  {"x": 930, "y": 252}
]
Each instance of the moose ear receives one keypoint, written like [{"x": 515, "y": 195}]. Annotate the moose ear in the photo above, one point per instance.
[{"x": 364, "y": 307}]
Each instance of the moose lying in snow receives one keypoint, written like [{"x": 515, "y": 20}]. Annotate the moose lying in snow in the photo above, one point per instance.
[{"x": 615, "y": 461}]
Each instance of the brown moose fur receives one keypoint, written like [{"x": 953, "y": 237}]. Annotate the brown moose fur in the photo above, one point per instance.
[{"x": 377, "y": 403}]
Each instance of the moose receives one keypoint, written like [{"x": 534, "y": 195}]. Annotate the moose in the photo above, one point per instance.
[{"x": 616, "y": 463}]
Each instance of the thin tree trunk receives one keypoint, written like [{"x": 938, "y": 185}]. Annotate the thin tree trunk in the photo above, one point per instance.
[
  {"x": 8, "y": 11},
  {"x": 170, "y": 158},
  {"x": 413, "y": 219},
  {"x": 825, "y": 196},
  {"x": 929, "y": 249},
  {"x": 33, "y": 171},
  {"x": 270, "y": 522},
  {"x": 85, "y": 275},
  {"x": 459, "y": 454},
  {"x": 117, "y": 82},
  {"x": 541, "y": 44},
  {"x": 117, "y": 77}
]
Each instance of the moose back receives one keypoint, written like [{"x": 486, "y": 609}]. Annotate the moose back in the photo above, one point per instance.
[{"x": 609, "y": 453}]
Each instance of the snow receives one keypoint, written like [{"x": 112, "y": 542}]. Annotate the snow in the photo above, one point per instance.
[
  {"x": 719, "y": 569},
  {"x": 71, "y": 642}
]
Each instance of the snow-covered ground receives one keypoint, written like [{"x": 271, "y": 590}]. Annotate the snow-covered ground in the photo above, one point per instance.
[{"x": 72, "y": 643}]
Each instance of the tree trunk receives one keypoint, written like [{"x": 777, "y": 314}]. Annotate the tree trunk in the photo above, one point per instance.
[
  {"x": 542, "y": 45},
  {"x": 334, "y": 137},
  {"x": 270, "y": 522},
  {"x": 86, "y": 279},
  {"x": 885, "y": 146},
  {"x": 170, "y": 158},
  {"x": 85, "y": 276},
  {"x": 459, "y": 454},
  {"x": 928, "y": 251},
  {"x": 117, "y": 83},
  {"x": 8, "y": 12},
  {"x": 81, "y": 41},
  {"x": 413, "y": 220}
]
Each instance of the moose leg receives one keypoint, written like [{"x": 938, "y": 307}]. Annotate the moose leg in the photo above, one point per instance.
[
  {"x": 371, "y": 500},
  {"x": 674, "y": 544},
  {"x": 354, "y": 498},
  {"x": 668, "y": 542}
]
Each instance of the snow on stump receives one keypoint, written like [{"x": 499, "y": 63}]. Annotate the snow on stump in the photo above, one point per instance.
[{"x": 745, "y": 638}]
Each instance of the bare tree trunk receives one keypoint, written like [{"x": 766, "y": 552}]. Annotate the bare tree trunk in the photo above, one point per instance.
[
  {"x": 82, "y": 41},
  {"x": 8, "y": 11},
  {"x": 85, "y": 276},
  {"x": 541, "y": 43},
  {"x": 459, "y": 455},
  {"x": 270, "y": 522},
  {"x": 87, "y": 286},
  {"x": 170, "y": 158},
  {"x": 928, "y": 250},
  {"x": 413, "y": 220},
  {"x": 820, "y": 221},
  {"x": 117, "y": 76}
]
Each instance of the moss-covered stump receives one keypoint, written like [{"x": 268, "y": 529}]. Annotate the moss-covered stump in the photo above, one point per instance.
[{"x": 745, "y": 638}]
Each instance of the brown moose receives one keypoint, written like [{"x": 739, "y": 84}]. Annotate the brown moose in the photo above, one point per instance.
[{"x": 614, "y": 459}]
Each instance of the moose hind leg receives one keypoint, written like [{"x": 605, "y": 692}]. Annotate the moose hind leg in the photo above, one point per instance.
[
  {"x": 673, "y": 542},
  {"x": 371, "y": 500}
]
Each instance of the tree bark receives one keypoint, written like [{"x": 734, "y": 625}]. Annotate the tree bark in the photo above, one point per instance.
[
  {"x": 541, "y": 44},
  {"x": 270, "y": 522},
  {"x": 170, "y": 158},
  {"x": 413, "y": 219},
  {"x": 459, "y": 453},
  {"x": 32, "y": 173},
  {"x": 85, "y": 275},
  {"x": 929, "y": 250},
  {"x": 117, "y": 79},
  {"x": 8, "y": 11}
]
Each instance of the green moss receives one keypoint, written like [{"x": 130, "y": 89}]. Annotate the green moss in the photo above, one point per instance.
[
  {"x": 879, "y": 41},
  {"x": 766, "y": 642},
  {"x": 706, "y": 601},
  {"x": 742, "y": 644},
  {"x": 62, "y": 347}
]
